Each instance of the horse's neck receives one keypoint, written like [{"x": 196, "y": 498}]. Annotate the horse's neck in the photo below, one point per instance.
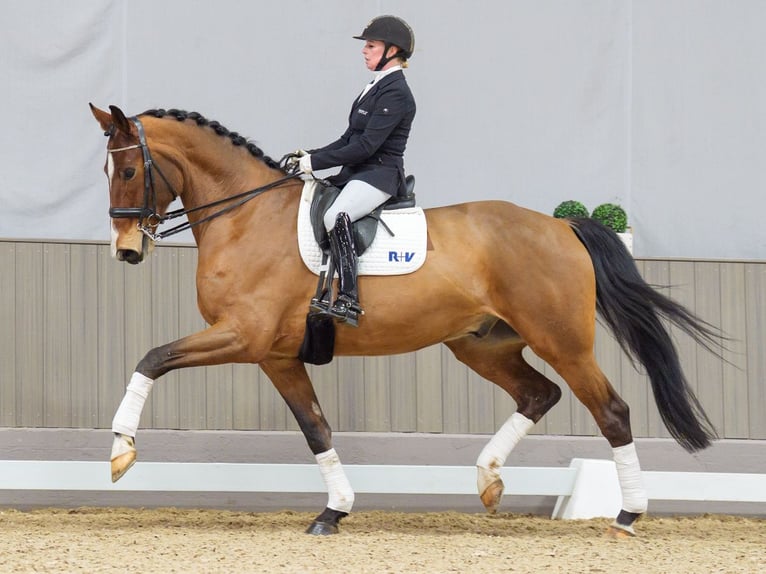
[{"x": 210, "y": 179}]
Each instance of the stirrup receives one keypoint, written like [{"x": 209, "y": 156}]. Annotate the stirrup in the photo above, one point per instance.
[
  {"x": 319, "y": 305},
  {"x": 346, "y": 310}
]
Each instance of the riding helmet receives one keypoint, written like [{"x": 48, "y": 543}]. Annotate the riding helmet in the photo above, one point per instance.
[{"x": 391, "y": 30}]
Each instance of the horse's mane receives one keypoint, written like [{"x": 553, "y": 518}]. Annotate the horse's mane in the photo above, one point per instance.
[{"x": 202, "y": 121}]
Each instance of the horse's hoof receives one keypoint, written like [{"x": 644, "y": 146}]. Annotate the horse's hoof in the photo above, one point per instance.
[
  {"x": 318, "y": 528},
  {"x": 622, "y": 527},
  {"x": 123, "y": 455},
  {"x": 619, "y": 531},
  {"x": 492, "y": 495}
]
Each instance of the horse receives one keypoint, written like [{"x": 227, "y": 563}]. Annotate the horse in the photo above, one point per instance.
[{"x": 497, "y": 278}]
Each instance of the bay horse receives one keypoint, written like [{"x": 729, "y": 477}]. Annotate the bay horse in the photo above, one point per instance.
[{"x": 497, "y": 278}]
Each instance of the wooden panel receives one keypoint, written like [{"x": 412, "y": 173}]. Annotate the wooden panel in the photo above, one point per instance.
[
  {"x": 76, "y": 323},
  {"x": 256, "y": 405},
  {"x": 734, "y": 326},
  {"x": 219, "y": 397},
  {"x": 755, "y": 300},
  {"x": 8, "y": 381},
  {"x": 709, "y": 368},
  {"x": 430, "y": 416},
  {"x": 83, "y": 315},
  {"x": 454, "y": 394},
  {"x": 30, "y": 330},
  {"x": 481, "y": 416},
  {"x": 377, "y": 396},
  {"x": 57, "y": 407},
  {"x": 403, "y": 395},
  {"x": 113, "y": 369},
  {"x": 351, "y": 415}
]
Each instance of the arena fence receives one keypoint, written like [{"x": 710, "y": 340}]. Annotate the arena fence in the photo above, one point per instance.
[{"x": 588, "y": 488}]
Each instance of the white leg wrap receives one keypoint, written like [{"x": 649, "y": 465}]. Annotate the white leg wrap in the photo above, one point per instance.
[
  {"x": 493, "y": 455},
  {"x": 634, "y": 497},
  {"x": 340, "y": 493},
  {"x": 129, "y": 413}
]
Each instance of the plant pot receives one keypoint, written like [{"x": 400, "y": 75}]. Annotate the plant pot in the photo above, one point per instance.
[{"x": 627, "y": 239}]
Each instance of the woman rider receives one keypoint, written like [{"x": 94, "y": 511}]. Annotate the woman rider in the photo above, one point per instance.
[{"x": 370, "y": 151}]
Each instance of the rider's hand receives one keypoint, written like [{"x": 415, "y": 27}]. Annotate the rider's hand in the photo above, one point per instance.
[
  {"x": 304, "y": 164},
  {"x": 292, "y": 159}
]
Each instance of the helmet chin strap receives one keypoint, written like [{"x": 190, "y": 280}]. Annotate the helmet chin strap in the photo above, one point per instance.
[{"x": 384, "y": 59}]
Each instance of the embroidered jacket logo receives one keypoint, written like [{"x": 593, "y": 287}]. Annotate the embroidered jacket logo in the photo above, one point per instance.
[{"x": 401, "y": 257}]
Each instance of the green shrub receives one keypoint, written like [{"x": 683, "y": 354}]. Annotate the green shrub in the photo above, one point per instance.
[
  {"x": 570, "y": 208},
  {"x": 611, "y": 215}
]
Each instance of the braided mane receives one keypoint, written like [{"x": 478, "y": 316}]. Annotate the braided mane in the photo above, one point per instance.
[{"x": 202, "y": 121}]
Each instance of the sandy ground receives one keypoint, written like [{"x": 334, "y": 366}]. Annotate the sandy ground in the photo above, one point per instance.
[{"x": 171, "y": 540}]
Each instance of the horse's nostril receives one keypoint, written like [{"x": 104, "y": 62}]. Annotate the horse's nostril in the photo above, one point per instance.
[{"x": 132, "y": 257}]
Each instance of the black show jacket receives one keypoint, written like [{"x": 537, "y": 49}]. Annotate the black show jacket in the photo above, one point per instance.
[{"x": 372, "y": 148}]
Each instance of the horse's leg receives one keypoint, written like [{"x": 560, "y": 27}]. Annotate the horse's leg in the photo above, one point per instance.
[
  {"x": 612, "y": 415},
  {"x": 497, "y": 357},
  {"x": 215, "y": 345},
  {"x": 290, "y": 378}
]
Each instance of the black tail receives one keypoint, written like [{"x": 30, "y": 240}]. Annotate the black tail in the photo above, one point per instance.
[{"x": 634, "y": 312}]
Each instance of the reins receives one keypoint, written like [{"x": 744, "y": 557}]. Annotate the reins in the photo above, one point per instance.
[
  {"x": 244, "y": 198},
  {"x": 147, "y": 214}
]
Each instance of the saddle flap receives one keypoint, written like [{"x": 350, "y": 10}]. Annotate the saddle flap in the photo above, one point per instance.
[{"x": 364, "y": 229}]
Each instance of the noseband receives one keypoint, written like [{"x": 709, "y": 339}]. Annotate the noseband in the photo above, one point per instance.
[{"x": 147, "y": 215}]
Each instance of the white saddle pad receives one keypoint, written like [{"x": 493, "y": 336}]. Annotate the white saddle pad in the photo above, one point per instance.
[{"x": 403, "y": 253}]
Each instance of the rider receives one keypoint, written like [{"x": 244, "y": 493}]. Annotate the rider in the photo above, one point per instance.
[{"x": 370, "y": 151}]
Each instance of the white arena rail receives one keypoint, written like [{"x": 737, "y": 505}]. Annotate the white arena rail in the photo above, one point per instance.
[{"x": 588, "y": 488}]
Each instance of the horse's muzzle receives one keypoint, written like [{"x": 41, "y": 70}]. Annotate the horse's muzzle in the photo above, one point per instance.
[{"x": 130, "y": 256}]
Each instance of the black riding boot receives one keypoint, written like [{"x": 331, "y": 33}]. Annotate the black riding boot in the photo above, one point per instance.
[{"x": 346, "y": 306}]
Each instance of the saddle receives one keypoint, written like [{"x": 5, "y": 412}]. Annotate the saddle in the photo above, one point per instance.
[
  {"x": 318, "y": 342},
  {"x": 364, "y": 229}
]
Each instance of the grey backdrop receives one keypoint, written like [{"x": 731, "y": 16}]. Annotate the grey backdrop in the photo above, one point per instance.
[{"x": 659, "y": 105}]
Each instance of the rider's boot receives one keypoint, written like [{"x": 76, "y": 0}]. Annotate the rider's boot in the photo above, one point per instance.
[{"x": 346, "y": 307}]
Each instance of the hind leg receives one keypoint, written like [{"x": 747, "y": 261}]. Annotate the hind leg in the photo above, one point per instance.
[
  {"x": 612, "y": 415},
  {"x": 497, "y": 357}
]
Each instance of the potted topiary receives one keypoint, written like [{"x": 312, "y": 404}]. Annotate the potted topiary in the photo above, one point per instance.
[
  {"x": 615, "y": 218},
  {"x": 570, "y": 209}
]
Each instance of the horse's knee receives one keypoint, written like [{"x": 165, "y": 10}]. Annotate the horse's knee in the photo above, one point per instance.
[{"x": 153, "y": 363}]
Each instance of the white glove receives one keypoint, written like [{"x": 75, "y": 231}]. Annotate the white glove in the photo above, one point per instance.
[
  {"x": 293, "y": 159},
  {"x": 305, "y": 163}
]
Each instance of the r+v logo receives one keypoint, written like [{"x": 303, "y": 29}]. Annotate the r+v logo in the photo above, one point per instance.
[{"x": 401, "y": 257}]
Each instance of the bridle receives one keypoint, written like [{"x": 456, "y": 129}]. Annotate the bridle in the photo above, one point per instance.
[{"x": 147, "y": 215}]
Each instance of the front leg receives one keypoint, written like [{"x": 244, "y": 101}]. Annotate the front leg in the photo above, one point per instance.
[
  {"x": 290, "y": 378},
  {"x": 216, "y": 345}
]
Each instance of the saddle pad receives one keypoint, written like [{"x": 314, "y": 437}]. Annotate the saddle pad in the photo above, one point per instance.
[{"x": 403, "y": 253}]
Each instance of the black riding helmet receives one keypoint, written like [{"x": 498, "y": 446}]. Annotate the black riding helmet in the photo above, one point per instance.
[{"x": 392, "y": 31}]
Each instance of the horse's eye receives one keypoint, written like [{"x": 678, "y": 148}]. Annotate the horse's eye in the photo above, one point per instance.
[{"x": 129, "y": 172}]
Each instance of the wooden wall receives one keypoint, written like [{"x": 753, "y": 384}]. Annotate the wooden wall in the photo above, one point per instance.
[{"x": 74, "y": 323}]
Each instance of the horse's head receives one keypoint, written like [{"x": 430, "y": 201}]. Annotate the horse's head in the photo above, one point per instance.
[{"x": 135, "y": 206}]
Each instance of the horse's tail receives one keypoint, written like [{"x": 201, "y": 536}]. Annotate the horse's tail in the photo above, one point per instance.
[{"x": 634, "y": 312}]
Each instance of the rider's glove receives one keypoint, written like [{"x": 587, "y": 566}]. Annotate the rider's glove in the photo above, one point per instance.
[{"x": 304, "y": 164}]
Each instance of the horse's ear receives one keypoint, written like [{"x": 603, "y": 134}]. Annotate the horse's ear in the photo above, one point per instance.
[
  {"x": 103, "y": 118},
  {"x": 119, "y": 120}
]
